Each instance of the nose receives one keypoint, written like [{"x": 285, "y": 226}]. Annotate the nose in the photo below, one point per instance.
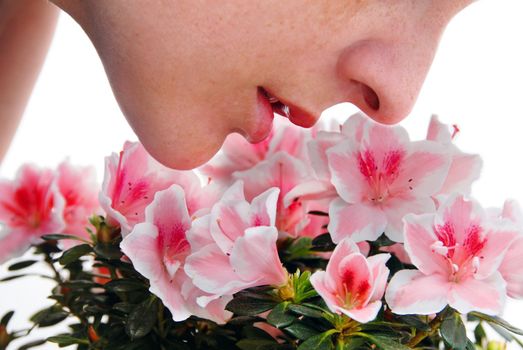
[{"x": 385, "y": 79}]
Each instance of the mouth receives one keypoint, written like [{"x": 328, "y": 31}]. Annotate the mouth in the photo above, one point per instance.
[{"x": 294, "y": 113}]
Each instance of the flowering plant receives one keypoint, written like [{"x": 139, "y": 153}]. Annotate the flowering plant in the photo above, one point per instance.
[{"x": 349, "y": 237}]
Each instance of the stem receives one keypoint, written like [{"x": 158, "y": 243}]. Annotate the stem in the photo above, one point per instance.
[{"x": 434, "y": 326}]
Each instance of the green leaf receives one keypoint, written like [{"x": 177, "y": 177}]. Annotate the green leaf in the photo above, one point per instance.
[
  {"x": 66, "y": 340},
  {"x": 453, "y": 331},
  {"x": 74, "y": 253},
  {"x": 21, "y": 265},
  {"x": 321, "y": 341},
  {"x": 245, "y": 305},
  {"x": 257, "y": 344},
  {"x": 108, "y": 251},
  {"x": 12, "y": 277},
  {"x": 50, "y": 316},
  {"x": 301, "y": 331},
  {"x": 59, "y": 236},
  {"x": 416, "y": 322},
  {"x": 142, "y": 319},
  {"x": 383, "y": 342},
  {"x": 354, "y": 344},
  {"x": 124, "y": 285},
  {"x": 279, "y": 316},
  {"x": 323, "y": 243},
  {"x": 497, "y": 320},
  {"x": 32, "y": 344},
  {"x": 305, "y": 310},
  {"x": 479, "y": 334},
  {"x": 6, "y": 318},
  {"x": 301, "y": 247}
]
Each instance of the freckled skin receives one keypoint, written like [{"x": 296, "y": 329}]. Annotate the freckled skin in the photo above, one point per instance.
[{"x": 185, "y": 73}]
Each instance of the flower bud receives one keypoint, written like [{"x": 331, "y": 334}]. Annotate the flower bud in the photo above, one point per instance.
[
  {"x": 496, "y": 345},
  {"x": 5, "y": 338}
]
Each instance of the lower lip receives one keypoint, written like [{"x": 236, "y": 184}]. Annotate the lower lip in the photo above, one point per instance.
[{"x": 264, "y": 118}]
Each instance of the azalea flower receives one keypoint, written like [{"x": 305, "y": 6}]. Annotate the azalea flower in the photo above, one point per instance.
[
  {"x": 237, "y": 154},
  {"x": 380, "y": 176},
  {"x": 458, "y": 252},
  {"x": 352, "y": 284},
  {"x": 30, "y": 206},
  {"x": 131, "y": 180},
  {"x": 511, "y": 267},
  {"x": 285, "y": 172},
  {"x": 79, "y": 188},
  {"x": 158, "y": 248},
  {"x": 242, "y": 252},
  {"x": 464, "y": 169}
]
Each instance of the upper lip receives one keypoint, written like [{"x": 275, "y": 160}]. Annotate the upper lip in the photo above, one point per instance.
[{"x": 285, "y": 108}]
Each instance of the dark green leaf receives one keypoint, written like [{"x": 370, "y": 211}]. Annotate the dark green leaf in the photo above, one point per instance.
[
  {"x": 453, "y": 331},
  {"x": 280, "y": 316},
  {"x": 249, "y": 306},
  {"x": 142, "y": 319},
  {"x": 301, "y": 331},
  {"x": 6, "y": 318},
  {"x": 66, "y": 340},
  {"x": 74, "y": 253},
  {"x": 383, "y": 241},
  {"x": 32, "y": 344},
  {"x": 416, "y": 322},
  {"x": 12, "y": 277},
  {"x": 479, "y": 334},
  {"x": 50, "y": 316},
  {"x": 80, "y": 284},
  {"x": 321, "y": 341},
  {"x": 21, "y": 265},
  {"x": 58, "y": 236},
  {"x": 257, "y": 344},
  {"x": 383, "y": 342},
  {"x": 306, "y": 310},
  {"x": 470, "y": 345},
  {"x": 354, "y": 344},
  {"x": 108, "y": 251},
  {"x": 497, "y": 320},
  {"x": 124, "y": 285},
  {"x": 323, "y": 243}
]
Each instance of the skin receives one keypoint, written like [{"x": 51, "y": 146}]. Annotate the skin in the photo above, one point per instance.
[{"x": 186, "y": 73}]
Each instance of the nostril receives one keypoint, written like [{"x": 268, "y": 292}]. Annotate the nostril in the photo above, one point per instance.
[{"x": 370, "y": 97}]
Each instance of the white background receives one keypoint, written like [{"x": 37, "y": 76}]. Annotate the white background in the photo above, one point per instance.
[{"x": 475, "y": 82}]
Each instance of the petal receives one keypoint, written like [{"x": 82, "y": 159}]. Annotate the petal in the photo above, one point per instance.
[
  {"x": 438, "y": 131},
  {"x": 254, "y": 257},
  {"x": 141, "y": 246},
  {"x": 512, "y": 211},
  {"x": 263, "y": 207},
  {"x": 310, "y": 190},
  {"x": 487, "y": 296},
  {"x": 498, "y": 241},
  {"x": 318, "y": 281},
  {"x": 345, "y": 174},
  {"x": 318, "y": 152},
  {"x": 354, "y": 126},
  {"x": 170, "y": 294},
  {"x": 211, "y": 271},
  {"x": 354, "y": 278},
  {"x": 168, "y": 210},
  {"x": 397, "y": 208},
  {"x": 229, "y": 219},
  {"x": 512, "y": 269},
  {"x": 357, "y": 221},
  {"x": 412, "y": 292},
  {"x": 463, "y": 171},
  {"x": 364, "y": 314},
  {"x": 424, "y": 169},
  {"x": 345, "y": 248},
  {"x": 380, "y": 274},
  {"x": 14, "y": 244},
  {"x": 383, "y": 139},
  {"x": 200, "y": 235},
  {"x": 460, "y": 213},
  {"x": 419, "y": 238}
]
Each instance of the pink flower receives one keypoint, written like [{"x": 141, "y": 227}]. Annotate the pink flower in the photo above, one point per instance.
[
  {"x": 30, "y": 206},
  {"x": 79, "y": 188},
  {"x": 464, "y": 169},
  {"x": 512, "y": 266},
  {"x": 381, "y": 176},
  {"x": 285, "y": 172},
  {"x": 399, "y": 252},
  {"x": 238, "y": 154},
  {"x": 158, "y": 249},
  {"x": 241, "y": 250},
  {"x": 131, "y": 180},
  {"x": 352, "y": 284},
  {"x": 458, "y": 252}
]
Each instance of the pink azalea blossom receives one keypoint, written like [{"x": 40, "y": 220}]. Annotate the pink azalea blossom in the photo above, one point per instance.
[
  {"x": 242, "y": 252},
  {"x": 457, "y": 251},
  {"x": 285, "y": 172},
  {"x": 352, "y": 284},
  {"x": 237, "y": 154},
  {"x": 30, "y": 206},
  {"x": 512, "y": 266},
  {"x": 158, "y": 249},
  {"x": 464, "y": 169},
  {"x": 380, "y": 176},
  {"x": 399, "y": 252},
  {"x": 131, "y": 180},
  {"x": 79, "y": 188}
]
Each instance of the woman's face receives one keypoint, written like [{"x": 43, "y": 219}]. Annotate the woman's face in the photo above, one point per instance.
[{"x": 186, "y": 73}]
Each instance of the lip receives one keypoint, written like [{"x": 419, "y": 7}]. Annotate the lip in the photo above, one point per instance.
[{"x": 285, "y": 108}]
